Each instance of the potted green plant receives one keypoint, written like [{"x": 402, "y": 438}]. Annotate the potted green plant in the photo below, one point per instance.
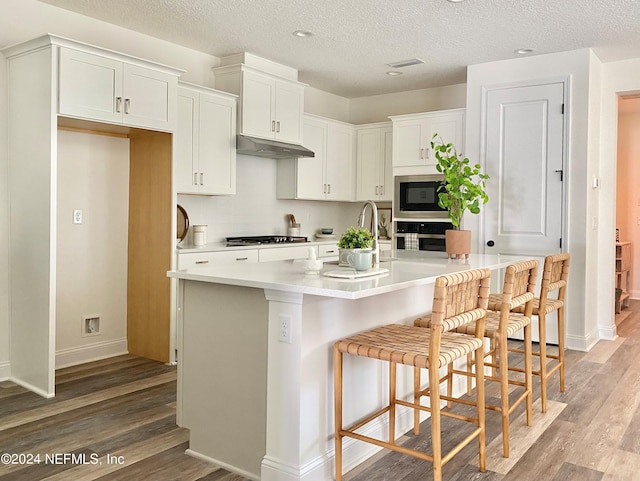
[
  {"x": 463, "y": 188},
  {"x": 354, "y": 240}
]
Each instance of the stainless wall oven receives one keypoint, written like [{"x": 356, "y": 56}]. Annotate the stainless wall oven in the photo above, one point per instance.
[
  {"x": 416, "y": 197},
  {"x": 421, "y": 236}
]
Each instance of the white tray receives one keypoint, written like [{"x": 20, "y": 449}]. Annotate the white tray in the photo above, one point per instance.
[{"x": 353, "y": 274}]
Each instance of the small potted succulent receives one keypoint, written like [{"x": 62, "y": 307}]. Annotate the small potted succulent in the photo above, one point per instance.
[
  {"x": 464, "y": 188},
  {"x": 354, "y": 240}
]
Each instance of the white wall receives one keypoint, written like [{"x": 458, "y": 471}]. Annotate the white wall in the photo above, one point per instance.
[
  {"x": 618, "y": 78},
  {"x": 4, "y": 227},
  {"x": 581, "y": 162},
  {"x": 326, "y": 104},
  {"x": 93, "y": 175},
  {"x": 254, "y": 210},
  {"x": 378, "y": 108},
  {"x": 628, "y": 188}
]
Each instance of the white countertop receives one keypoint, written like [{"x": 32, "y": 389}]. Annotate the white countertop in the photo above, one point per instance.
[{"x": 412, "y": 268}]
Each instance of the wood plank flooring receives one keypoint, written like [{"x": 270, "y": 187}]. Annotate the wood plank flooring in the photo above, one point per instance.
[{"x": 124, "y": 407}]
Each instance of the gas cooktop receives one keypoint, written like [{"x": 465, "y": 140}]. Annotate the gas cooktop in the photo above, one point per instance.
[{"x": 263, "y": 239}]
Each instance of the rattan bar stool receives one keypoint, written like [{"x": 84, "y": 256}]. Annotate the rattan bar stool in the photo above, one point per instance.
[
  {"x": 554, "y": 277},
  {"x": 423, "y": 349},
  {"x": 518, "y": 292}
]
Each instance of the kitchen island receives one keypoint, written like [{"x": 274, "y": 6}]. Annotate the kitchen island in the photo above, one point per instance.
[{"x": 255, "y": 375}]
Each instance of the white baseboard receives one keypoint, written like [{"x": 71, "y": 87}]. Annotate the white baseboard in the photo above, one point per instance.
[
  {"x": 233, "y": 469},
  {"x": 32, "y": 388},
  {"x": 582, "y": 343},
  {"x": 5, "y": 370},
  {"x": 609, "y": 333},
  {"x": 91, "y": 352}
]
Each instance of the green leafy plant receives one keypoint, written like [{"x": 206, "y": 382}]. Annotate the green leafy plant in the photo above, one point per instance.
[
  {"x": 464, "y": 186},
  {"x": 356, "y": 238}
]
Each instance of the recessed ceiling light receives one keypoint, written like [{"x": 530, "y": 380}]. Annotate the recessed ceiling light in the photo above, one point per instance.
[
  {"x": 303, "y": 33},
  {"x": 524, "y": 51},
  {"x": 393, "y": 73}
]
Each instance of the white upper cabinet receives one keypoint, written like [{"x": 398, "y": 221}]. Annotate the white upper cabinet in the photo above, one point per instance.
[
  {"x": 327, "y": 176},
  {"x": 204, "y": 142},
  {"x": 271, "y": 106},
  {"x": 109, "y": 89},
  {"x": 374, "y": 170},
  {"x": 412, "y": 135}
]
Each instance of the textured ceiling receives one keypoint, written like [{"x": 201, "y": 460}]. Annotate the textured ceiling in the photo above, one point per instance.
[{"x": 354, "y": 39}]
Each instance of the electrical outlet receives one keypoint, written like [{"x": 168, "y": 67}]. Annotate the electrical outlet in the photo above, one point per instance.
[
  {"x": 77, "y": 216},
  {"x": 91, "y": 325},
  {"x": 285, "y": 329}
]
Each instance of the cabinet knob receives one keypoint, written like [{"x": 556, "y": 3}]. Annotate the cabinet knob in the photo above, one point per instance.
[{"x": 490, "y": 243}]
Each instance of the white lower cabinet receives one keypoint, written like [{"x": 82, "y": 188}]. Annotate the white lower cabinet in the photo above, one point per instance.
[
  {"x": 285, "y": 253},
  {"x": 328, "y": 251},
  {"x": 192, "y": 260},
  {"x": 205, "y": 142}
]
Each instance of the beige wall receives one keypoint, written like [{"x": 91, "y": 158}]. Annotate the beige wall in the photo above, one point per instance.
[
  {"x": 628, "y": 185},
  {"x": 93, "y": 175},
  {"x": 4, "y": 228}
]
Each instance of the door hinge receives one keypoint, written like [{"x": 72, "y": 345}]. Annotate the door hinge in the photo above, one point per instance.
[
  {"x": 562, "y": 110},
  {"x": 560, "y": 242}
]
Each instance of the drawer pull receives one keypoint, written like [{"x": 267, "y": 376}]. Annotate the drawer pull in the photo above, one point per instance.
[
  {"x": 329, "y": 252},
  {"x": 242, "y": 258},
  {"x": 202, "y": 262}
]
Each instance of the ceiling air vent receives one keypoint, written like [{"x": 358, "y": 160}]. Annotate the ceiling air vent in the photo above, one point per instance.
[{"x": 405, "y": 63}]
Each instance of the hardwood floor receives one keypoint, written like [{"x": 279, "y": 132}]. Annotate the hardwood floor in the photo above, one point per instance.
[{"x": 124, "y": 407}]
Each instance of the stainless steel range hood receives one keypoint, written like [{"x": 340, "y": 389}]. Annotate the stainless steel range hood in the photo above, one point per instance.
[{"x": 270, "y": 148}]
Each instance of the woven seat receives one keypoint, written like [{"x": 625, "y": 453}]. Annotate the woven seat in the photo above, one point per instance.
[
  {"x": 423, "y": 349},
  {"x": 554, "y": 278},
  {"x": 517, "y": 293}
]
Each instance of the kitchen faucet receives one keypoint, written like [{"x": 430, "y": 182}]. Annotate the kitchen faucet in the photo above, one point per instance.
[{"x": 374, "y": 212}]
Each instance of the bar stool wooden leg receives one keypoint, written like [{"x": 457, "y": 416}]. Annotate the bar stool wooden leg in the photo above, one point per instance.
[
  {"x": 469, "y": 369},
  {"x": 542, "y": 330},
  {"x": 503, "y": 364},
  {"x": 480, "y": 405},
  {"x": 528, "y": 373},
  {"x": 450, "y": 384},
  {"x": 434, "y": 397},
  {"x": 337, "y": 388},
  {"x": 392, "y": 403},
  {"x": 561, "y": 345},
  {"x": 416, "y": 400}
]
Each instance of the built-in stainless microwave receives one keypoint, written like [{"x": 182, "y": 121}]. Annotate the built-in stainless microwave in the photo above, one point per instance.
[{"x": 416, "y": 197}]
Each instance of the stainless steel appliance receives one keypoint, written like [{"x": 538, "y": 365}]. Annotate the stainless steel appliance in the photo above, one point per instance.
[
  {"x": 421, "y": 236},
  {"x": 264, "y": 239},
  {"x": 416, "y": 197}
]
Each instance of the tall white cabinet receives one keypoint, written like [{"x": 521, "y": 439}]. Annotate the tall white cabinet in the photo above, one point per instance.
[
  {"x": 412, "y": 136},
  {"x": 271, "y": 100},
  {"x": 374, "y": 169},
  {"x": 330, "y": 174},
  {"x": 205, "y": 142},
  {"x": 43, "y": 91}
]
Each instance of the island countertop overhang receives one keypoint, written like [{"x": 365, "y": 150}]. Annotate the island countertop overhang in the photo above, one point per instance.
[{"x": 409, "y": 270}]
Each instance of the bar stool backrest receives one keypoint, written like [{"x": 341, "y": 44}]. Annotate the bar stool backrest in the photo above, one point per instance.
[{"x": 554, "y": 276}]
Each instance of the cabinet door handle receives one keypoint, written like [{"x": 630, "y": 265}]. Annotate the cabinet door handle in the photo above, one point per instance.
[
  {"x": 427, "y": 151},
  {"x": 382, "y": 190},
  {"x": 202, "y": 262},
  {"x": 118, "y": 104},
  {"x": 201, "y": 178},
  {"x": 422, "y": 153},
  {"x": 376, "y": 190},
  {"x": 127, "y": 105},
  {"x": 195, "y": 178},
  {"x": 242, "y": 258},
  {"x": 324, "y": 188},
  {"x": 328, "y": 188},
  {"x": 273, "y": 126},
  {"x": 278, "y": 126}
]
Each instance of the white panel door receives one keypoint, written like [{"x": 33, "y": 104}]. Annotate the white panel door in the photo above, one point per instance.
[
  {"x": 524, "y": 152},
  {"x": 258, "y": 99},
  {"x": 149, "y": 98},
  {"x": 90, "y": 86},
  {"x": 368, "y": 168},
  {"x": 408, "y": 148},
  {"x": 185, "y": 156},
  {"x": 310, "y": 175},
  {"x": 217, "y": 153},
  {"x": 288, "y": 112},
  {"x": 339, "y": 162},
  {"x": 450, "y": 127}
]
